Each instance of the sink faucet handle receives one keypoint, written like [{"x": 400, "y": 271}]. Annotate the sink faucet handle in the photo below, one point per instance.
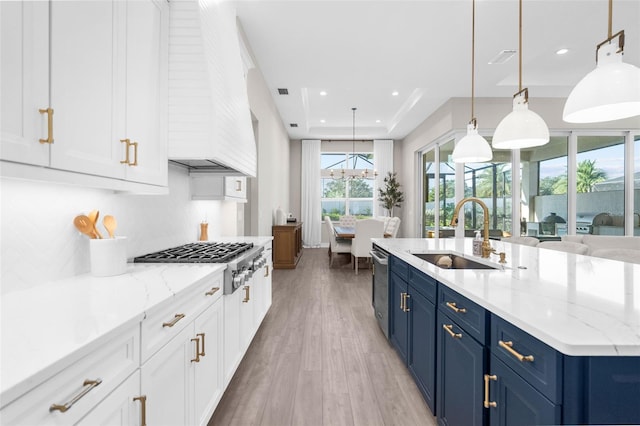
[{"x": 503, "y": 255}]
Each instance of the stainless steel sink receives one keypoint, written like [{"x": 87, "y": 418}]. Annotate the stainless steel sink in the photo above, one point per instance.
[{"x": 457, "y": 262}]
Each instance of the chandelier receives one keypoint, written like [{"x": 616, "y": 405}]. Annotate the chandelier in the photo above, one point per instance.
[{"x": 364, "y": 174}]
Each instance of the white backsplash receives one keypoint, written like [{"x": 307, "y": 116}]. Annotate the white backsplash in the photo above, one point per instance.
[{"x": 39, "y": 242}]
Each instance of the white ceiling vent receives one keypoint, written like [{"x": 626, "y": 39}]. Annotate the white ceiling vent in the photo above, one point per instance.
[
  {"x": 502, "y": 57},
  {"x": 283, "y": 91}
]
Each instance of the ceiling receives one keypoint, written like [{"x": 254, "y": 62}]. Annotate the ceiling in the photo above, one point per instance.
[{"x": 361, "y": 51}]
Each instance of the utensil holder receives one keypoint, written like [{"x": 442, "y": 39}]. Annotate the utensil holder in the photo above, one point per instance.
[{"x": 108, "y": 256}]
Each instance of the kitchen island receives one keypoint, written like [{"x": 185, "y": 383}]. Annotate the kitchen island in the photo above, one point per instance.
[{"x": 562, "y": 329}]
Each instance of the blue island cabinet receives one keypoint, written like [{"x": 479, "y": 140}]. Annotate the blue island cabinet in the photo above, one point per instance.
[
  {"x": 412, "y": 328},
  {"x": 487, "y": 371}
]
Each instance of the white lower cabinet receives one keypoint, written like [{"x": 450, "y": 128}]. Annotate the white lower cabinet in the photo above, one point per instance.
[
  {"x": 182, "y": 382},
  {"x": 232, "y": 351},
  {"x": 120, "y": 408}
]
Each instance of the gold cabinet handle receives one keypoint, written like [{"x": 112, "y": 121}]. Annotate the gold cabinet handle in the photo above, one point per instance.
[
  {"x": 213, "y": 291},
  {"x": 455, "y": 309},
  {"x": 87, "y": 386},
  {"x": 143, "y": 409},
  {"x": 509, "y": 347},
  {"x": 126, "y": 151},
  {"x": 238, "y": 185},
  {"x": 174, "y": 321},
  {"x": 449, "y": 329},
  {"x": 406, "y": 307},
  {"x": 266, "y": 271},
  {"x": 135, "y": 154},
  {"x": 197, "y": 358},
  {"x": 49, "y": 112},
  {"x": 246, "y": 294},
  {"x": 488, "y": 403},
  {"x": 402, "y": 301},
  {"x": 201, "y": 335}
]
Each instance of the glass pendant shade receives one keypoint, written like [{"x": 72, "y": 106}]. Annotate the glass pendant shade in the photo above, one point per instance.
[
  {"x": 472, "y": 148},
  {"x": 610, "y": 92},
  {"x": 521, "y": 128}
]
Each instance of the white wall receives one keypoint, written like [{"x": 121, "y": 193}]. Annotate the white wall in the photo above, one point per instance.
[
  {"x": 454, "y": 115},
  {"x": 39, "y": 242},
  {"x": 273, "y": 155}
]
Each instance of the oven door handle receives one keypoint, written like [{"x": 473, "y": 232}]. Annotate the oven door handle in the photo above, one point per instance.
[{"x": 376, "y": 256}]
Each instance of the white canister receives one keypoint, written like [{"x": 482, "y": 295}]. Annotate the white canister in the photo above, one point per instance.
[
  {"x": 108, "y": 256},
  {"x": 280, "y": 217}
]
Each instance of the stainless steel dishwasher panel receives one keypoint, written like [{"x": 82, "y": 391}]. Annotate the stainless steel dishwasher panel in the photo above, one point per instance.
[{"x": 380, "y": 288}]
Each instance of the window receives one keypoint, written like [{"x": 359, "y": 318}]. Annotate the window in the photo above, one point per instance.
[
  {"x": 348, "y": 195},
  {"x": 544, "y": 186},
  {"x": 445, "y": 187},
  {"x": 600, "y": 182}
]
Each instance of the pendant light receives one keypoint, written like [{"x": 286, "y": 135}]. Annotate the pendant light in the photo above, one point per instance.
[
  {"x": 611, "y": 91},
  {"x": 521, "y": 128},
  {"x": 472, "y": 148},
  {"x": 365, "y": 173}
]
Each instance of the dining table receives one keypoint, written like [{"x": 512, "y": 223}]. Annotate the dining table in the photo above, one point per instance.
[{"x": 349, "y": 232}]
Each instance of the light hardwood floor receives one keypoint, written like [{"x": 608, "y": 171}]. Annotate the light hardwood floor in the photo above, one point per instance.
[{"x": 319, "y": 357}]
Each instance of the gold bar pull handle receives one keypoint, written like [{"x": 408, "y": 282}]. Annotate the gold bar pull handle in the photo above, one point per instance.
[
  {"x": 402, "y": 301},
  {"x": 266, "y": 271},
  {"x": 87, "y": 386},
  {"x": 238, "y": 185},
  {"x": 246, "y": 294},
  {"x": 449, "y": 329},
  {"x": 509, "y": 348},
  {"x": 143, "y": 409},
  {"x": 488, "y": 403},
  {"x": 201, "y": 335},
  {"x": 174, "y": 321},
  {"x": 406, "y": 307},
  {"x": 135, "y": 154},
  {"x": 49, "y": 112},
  {"x": 455, "y": 308},
  {"x": 197, "y": 358},
  {"x": 126, "y": 151},
  {"x": 213, "y": 291}
]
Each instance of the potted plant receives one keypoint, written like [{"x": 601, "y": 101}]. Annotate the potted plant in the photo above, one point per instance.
[{"x": 390, "y": 196}]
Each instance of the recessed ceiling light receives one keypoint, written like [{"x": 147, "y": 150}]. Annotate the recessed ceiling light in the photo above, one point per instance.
[
  {"x": 378, "y": 121},
  {"x": 323, "y": 93},
  {"x": 323, "y": 121},
  {"x": 561, "y": 51},
  {"x": 394, "y": 93}
]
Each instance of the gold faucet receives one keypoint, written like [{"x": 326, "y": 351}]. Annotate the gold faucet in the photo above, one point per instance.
[{"x": 486, "y": 246}]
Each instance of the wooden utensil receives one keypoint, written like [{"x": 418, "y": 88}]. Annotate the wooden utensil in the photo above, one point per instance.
[
  {"x": 84, "y": 225},
  {"x": 110, "y": 224},
  {"x": 93, "y": 217}
]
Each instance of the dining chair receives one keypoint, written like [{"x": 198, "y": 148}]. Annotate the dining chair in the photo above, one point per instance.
[
  {"x": 361, "y": 243},
  {"x": 347, "y": 220},
  {"x": 393, "y": 227},
  {"x": 335, "y": 246}
]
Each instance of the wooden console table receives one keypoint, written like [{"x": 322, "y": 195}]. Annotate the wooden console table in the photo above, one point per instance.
[{"x": 287, "y": 245}]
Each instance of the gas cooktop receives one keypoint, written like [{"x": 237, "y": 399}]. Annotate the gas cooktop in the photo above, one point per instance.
[{"x": 202, "y": 252}]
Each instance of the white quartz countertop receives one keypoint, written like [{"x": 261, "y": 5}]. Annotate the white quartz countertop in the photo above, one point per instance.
[
  {"x": 56, "y": 323},
  {"x": 579, "y": 305}
]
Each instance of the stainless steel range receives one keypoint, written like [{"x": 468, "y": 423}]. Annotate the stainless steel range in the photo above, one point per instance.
[{"x": 242, "y": 259}]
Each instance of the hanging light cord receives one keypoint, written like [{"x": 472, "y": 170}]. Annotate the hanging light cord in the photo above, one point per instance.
[
  {"x": 610, "y": 19},
  {"x": 473, "y": 60},
  {"x": 353, "y": 143},
  {"x": 520, "y": 48},
  {"x": 619, "y": 35}
]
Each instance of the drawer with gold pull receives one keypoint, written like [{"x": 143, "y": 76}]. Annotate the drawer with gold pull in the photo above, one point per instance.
[
  {"x": 75, "y": 390},
  {"x": 536, "y": 362},
  {"x": 469, "y": 315}
]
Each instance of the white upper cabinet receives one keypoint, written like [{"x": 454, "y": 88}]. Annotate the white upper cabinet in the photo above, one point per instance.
[
  {"x": 24, "y": 81},
  {"x": 209, "y": 115},
  {"x": 105, "y": 89}
]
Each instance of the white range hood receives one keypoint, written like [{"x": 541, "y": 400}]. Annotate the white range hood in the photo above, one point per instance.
[{"x": 210, "y": 127}]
